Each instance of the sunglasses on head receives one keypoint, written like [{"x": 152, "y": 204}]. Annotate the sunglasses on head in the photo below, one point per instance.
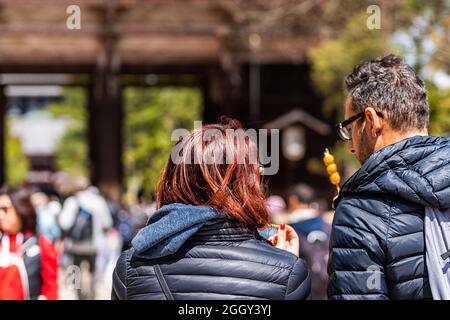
[{"x": 344, "y": 132}]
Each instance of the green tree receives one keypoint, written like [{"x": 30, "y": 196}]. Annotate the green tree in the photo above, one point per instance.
[
  {"x": 331, "y": 61},
  {"x": 17, "y": 163},
  {"x": 428, "y": 24},
  {"x": 151, "y": 116},
  {"x": 439, "y": 100},
  {"x": 71, "y": 153},
  {"x": 425, "y": 23}
]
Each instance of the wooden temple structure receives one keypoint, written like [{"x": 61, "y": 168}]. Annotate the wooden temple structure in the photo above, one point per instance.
[{"x": 249, "y": 57}]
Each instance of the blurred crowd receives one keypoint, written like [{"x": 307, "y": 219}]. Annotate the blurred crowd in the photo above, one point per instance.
[
  {"x": 306, "y": 214},
  {"x": 76, "y": 238},
  {"x": 64, "y": 246}
]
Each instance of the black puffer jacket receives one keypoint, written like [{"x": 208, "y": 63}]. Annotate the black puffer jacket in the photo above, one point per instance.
[
  {"x": 378, "y": 245},
  {"x": 222, "y": 260}
]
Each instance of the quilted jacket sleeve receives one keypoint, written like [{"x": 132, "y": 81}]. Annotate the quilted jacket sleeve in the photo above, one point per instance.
[
  {"x": 119, "y": 289},
  {"x": 357, "y": 249},
  {"x": 299, "y": 284}
]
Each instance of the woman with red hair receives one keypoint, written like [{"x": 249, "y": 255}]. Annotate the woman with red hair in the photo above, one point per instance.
[{"x": 203, "y": 241}]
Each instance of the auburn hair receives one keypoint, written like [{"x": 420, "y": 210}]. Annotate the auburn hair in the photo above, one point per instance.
[{"x": 216, "y": 165}]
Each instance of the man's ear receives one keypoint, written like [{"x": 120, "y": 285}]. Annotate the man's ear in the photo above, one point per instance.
[{"x": 373, "y": 120}]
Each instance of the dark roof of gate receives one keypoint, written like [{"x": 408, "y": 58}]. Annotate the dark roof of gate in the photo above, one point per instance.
[{"x": 159, "y": 32}]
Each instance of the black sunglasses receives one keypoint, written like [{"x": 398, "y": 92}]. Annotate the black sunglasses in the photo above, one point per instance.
[{"x": 342, "y": 130}]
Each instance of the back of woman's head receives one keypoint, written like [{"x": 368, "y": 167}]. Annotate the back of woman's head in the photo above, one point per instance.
[{"x": 217, "y": 166}]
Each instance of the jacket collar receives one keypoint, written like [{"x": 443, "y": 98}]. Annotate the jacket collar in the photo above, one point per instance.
[
  {"x": 416, "y": 169},
  {"x": 224, "y": 230}
]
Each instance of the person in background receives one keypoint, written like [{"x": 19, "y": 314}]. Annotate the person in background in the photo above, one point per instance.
[
  {"x": 111, "y": 249},
  {"x": 47, "y": 215},
  {"x": 307, "y": 220},
  {"x": 86, "y": 220},
  {"x": 203, "y": 240},
  {"x": 142, "y": 210},
  {"x": 304, "y": 214},
  {"x": 28, "y": 261},
  {"x": 276, "y": 207}
]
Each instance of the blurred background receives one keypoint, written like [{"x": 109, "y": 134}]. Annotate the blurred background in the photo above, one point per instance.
[{"x": 101, "y": 101}]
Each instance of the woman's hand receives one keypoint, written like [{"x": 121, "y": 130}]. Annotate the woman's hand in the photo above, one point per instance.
[{"x": 286, "y": 239}]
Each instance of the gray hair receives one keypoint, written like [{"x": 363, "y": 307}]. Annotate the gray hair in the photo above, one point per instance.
[{"x": 392, "y": 87}]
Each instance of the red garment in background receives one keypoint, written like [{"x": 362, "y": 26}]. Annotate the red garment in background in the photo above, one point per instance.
[
  {"x": 13, "y": 279},
  {"x": 49, "y": 269}
]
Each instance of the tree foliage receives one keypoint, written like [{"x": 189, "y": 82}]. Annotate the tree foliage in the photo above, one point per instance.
[
  {"x": 151, "y": 116},
  {"x": 17, "y": 163},
  {"x": 71, "y": 153},
  {"x": 439, "y": 100},
  {"x": 424, "y": 23},
  {"x": 333, "y": 59}
]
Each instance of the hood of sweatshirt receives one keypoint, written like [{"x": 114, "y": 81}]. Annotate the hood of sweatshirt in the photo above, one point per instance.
[{"x": 170, "y": 227}]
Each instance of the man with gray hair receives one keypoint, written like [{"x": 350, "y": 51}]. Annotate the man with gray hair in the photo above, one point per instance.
[{"x": 391, "y": 230}]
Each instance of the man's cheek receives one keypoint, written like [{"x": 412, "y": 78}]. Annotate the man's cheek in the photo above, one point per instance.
[
  {"x": 353, "y": 143},
  {"x": 351, "y": 148}
]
